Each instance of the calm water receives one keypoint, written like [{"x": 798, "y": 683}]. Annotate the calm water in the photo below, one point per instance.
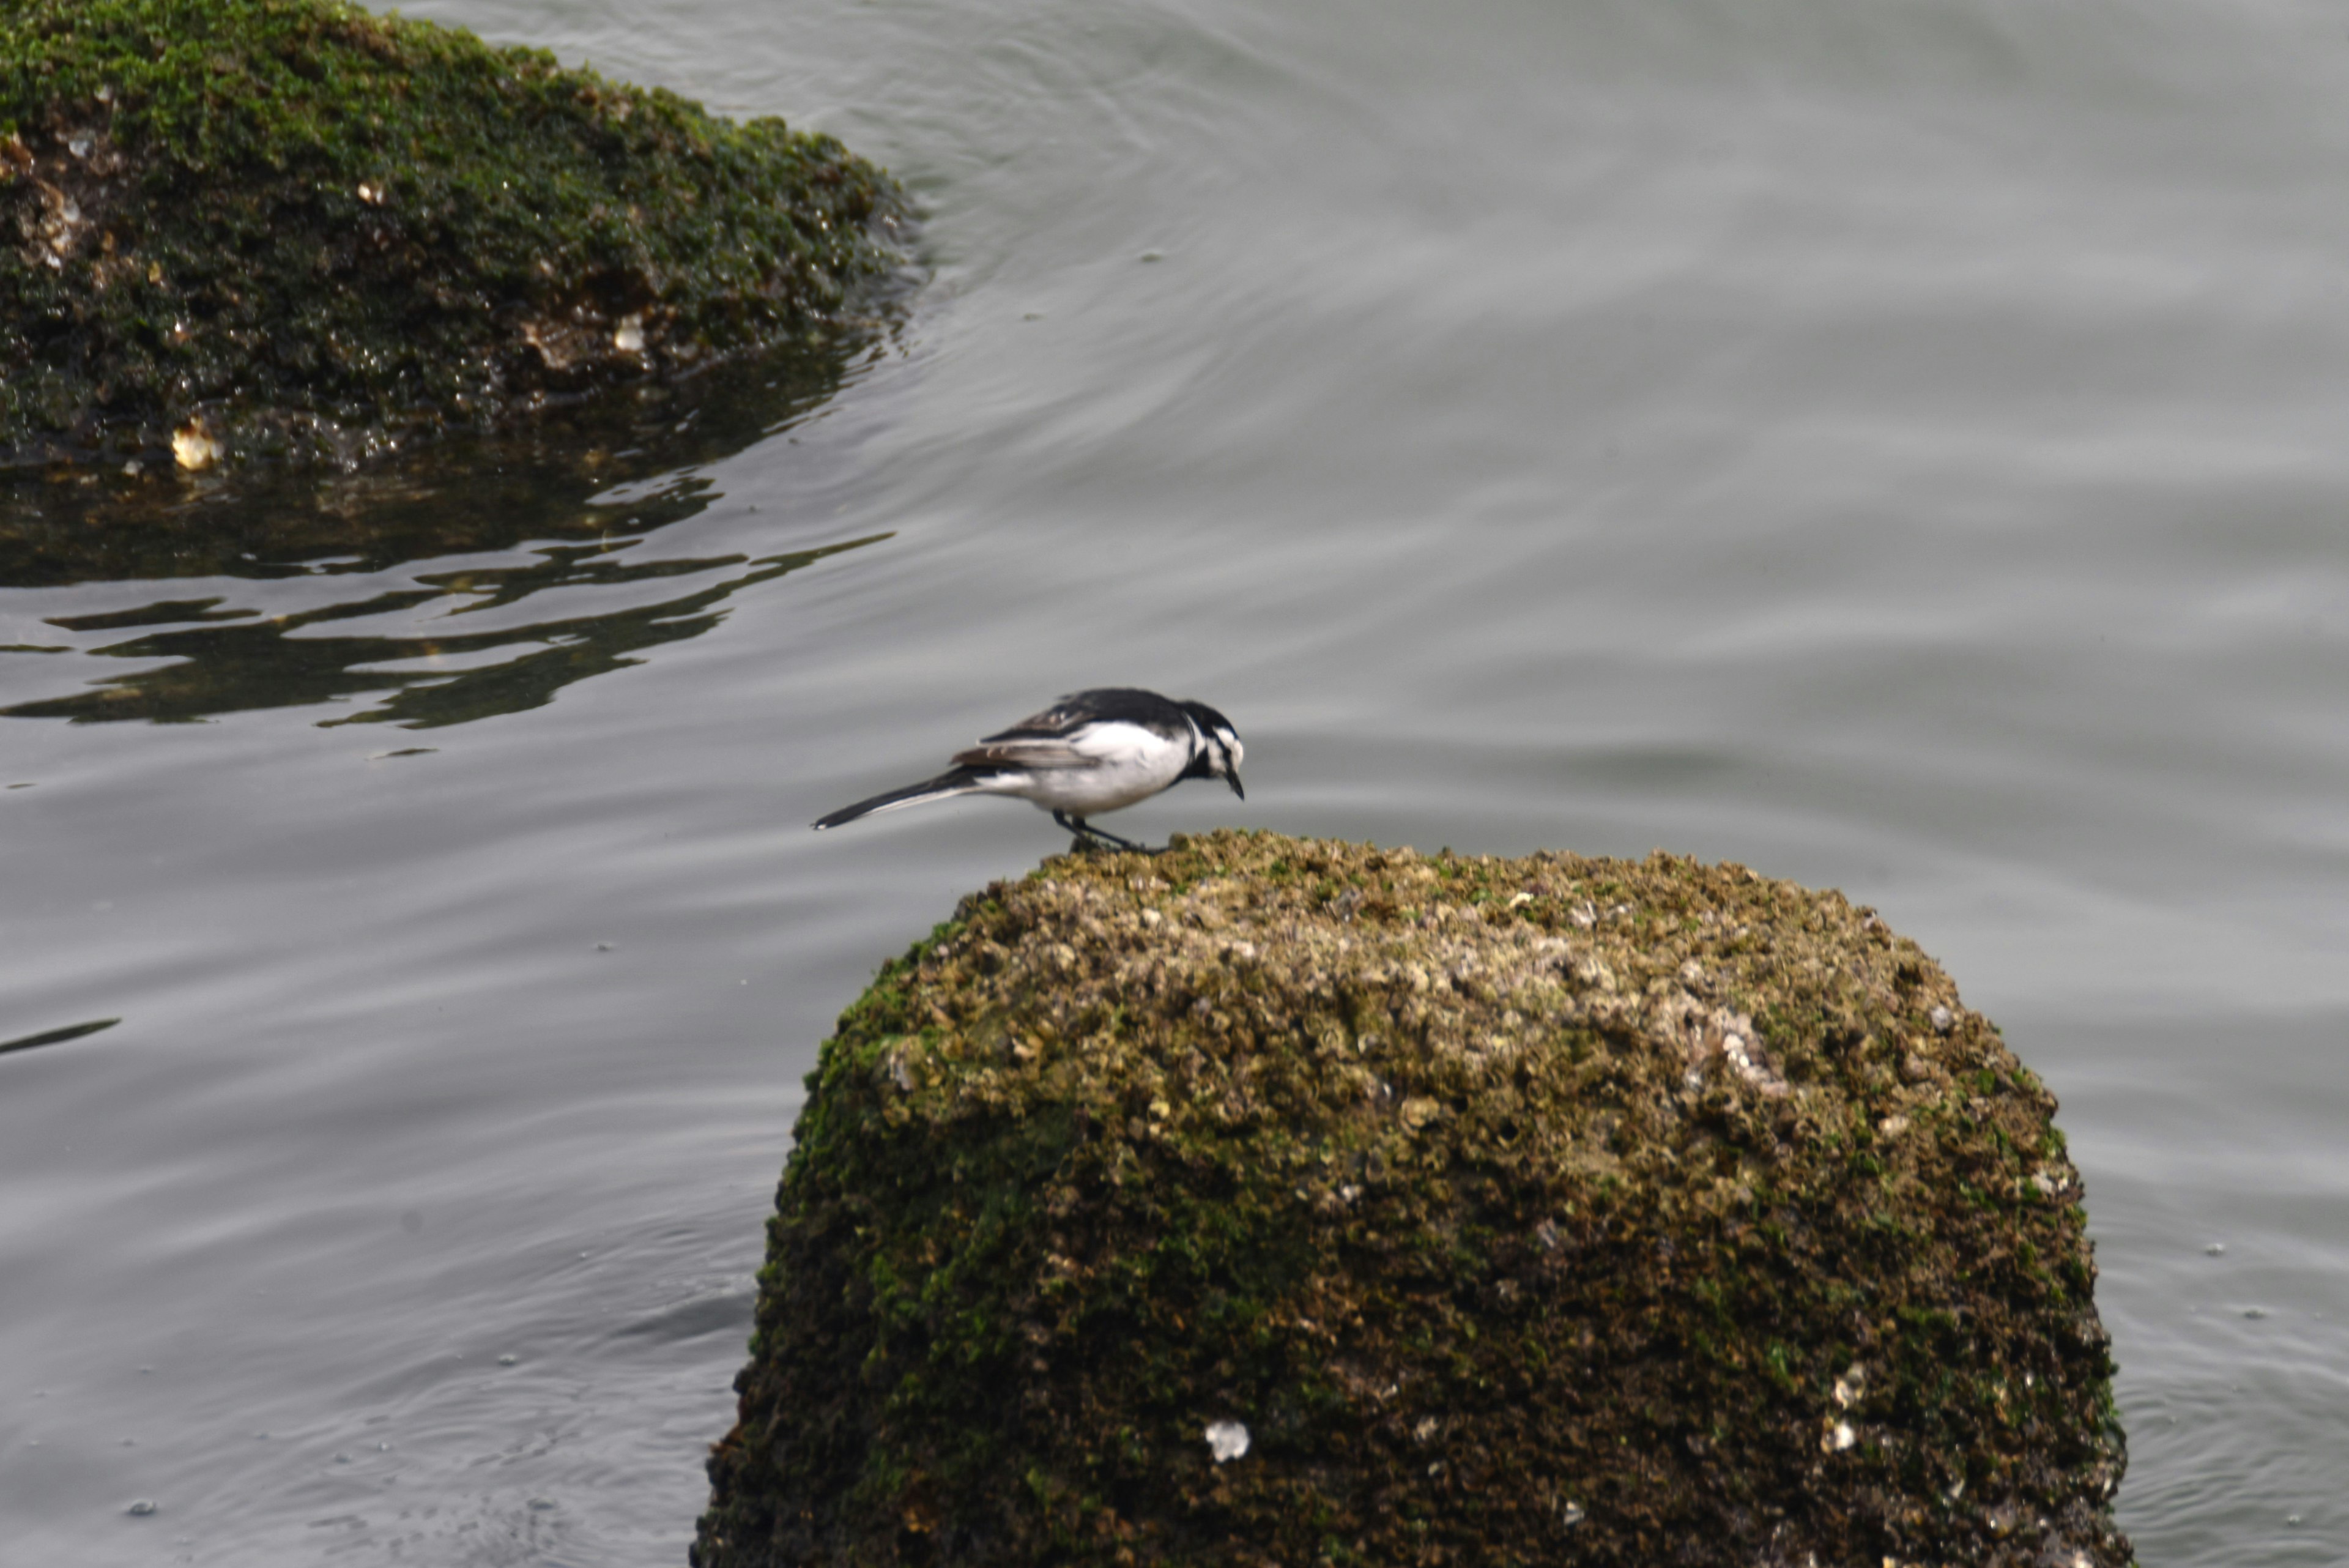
[{"x": 1898, "y": 444}]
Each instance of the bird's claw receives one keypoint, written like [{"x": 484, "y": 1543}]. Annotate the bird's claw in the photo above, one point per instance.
[{"x": 1092, "y": 840}]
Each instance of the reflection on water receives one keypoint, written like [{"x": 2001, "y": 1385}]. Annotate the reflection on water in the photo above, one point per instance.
[
  {"x": 400, "y": 587},
  {"x": 433, "y": 677},
  {"x": 58, "y": 1036}
]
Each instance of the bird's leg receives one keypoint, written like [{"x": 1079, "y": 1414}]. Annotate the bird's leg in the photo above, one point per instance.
[{"x": 1088, "y": 833}]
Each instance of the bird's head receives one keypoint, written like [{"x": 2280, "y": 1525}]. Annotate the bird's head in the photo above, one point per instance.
[{"x": 1219, "y": 748}]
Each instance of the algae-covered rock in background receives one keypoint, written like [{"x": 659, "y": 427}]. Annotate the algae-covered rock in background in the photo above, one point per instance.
[
  {"x": 1281, "y": 1201},
  {"x": 236, "y": 227}
]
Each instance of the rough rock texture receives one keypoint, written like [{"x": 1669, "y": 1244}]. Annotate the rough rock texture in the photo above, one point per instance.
[
  {"x": 1534, "y": 1211},
  {"x": 232, "y": 228}
]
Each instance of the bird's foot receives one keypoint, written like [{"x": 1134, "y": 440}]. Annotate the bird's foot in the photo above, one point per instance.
[{"x": 1092, "y": 840}]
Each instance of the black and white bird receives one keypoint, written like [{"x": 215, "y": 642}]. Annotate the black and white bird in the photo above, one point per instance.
[{"x": 1088, "y": 752}]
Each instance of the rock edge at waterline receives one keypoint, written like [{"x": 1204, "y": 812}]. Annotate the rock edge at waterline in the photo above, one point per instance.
[
  {"x": 1285, "y": 1202},
  {"x": 292, "y": 228}
]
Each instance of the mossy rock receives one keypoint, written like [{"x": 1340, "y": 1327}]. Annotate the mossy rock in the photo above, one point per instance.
[
  {"x": 1530, "y": 1211},
  {"x": 233, "y": 228}
]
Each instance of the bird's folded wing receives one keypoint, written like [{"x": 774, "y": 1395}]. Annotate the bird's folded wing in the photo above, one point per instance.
[
  {"x": 1087, "y": 746},
  {"x": 1023, "y": 754}
]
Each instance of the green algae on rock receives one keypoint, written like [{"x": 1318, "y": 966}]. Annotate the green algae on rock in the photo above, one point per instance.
[
  {"x": 1285, "y": 1202},
  {"x": 234, "y": 228}
]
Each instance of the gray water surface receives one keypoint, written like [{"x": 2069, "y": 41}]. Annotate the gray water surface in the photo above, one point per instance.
[{"x": 1897, "y": 444}]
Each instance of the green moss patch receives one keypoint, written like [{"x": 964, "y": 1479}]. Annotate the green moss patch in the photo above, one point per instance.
[
  {"x": 235, "y": 228},
  {"x": 1515, "y": 1212}
]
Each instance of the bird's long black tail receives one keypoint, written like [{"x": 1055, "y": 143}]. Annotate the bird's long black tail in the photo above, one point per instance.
[{"x": 953, "y": 782}]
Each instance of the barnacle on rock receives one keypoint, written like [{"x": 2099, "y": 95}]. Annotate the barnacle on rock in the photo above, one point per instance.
[{"x": 1520, "y": 1211}]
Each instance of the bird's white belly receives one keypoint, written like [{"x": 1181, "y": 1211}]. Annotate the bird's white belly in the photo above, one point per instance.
[{"x": 1106, "y": 786}]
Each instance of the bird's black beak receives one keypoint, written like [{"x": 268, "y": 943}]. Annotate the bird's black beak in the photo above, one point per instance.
[{"x": 1234, "y": 780}]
